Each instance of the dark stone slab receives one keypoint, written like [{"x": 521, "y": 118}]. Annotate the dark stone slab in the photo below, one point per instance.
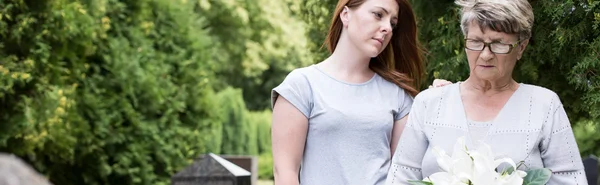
[
  {"x": 591, "y": 169},
  {"x": 212, "y": 170}
]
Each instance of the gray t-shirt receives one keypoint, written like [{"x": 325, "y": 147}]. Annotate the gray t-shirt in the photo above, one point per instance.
[{"x": 349, "y": 125}]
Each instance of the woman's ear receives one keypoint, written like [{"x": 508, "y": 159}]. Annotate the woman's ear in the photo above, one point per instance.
[
  {"x": 345, "y": 16},
  {"x": 522, "y": 47}
]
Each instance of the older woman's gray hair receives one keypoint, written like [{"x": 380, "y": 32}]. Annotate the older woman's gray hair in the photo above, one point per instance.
[
  {"x": 14, "y": 171},
  {"x": 508, "y": 16}
]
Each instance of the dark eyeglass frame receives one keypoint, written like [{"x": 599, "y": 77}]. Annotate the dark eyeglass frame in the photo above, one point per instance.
[{"x": 488, "y": 44}]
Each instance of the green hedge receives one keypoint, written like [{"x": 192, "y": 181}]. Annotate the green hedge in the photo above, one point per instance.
[
  {"x": 122, "y": 92},
  {"x": 235, "y": 132},
  {"x": 245, "y": 132},
  {"x": 118, "y": 95},
  {"x": 262, "y": 120},
  {"x": 587, "y": 137},
  {"x": 265, "y": 166}
]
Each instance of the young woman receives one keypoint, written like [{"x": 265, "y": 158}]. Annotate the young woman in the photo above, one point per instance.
[{"x": 338, "y": 121}]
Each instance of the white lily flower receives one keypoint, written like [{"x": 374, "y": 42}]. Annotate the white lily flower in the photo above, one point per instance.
[
  {"x": 476, "y": 167},
  {"x": 459, "y": 164},
  {"x": 444, "y": 178},
  {"x": 463, "y": 169},
  {"x": 484, "y": 165},
  {"x": 516, "y": 178},
  {"x": 487, "y": 177},
  {"x": 444, "y": 161}
]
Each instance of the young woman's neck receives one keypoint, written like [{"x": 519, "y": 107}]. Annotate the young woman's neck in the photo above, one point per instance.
[{"x": 347, "y": 59}]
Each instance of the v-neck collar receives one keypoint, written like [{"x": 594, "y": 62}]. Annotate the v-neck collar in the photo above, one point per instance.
[{"x": 463, "y": 115}]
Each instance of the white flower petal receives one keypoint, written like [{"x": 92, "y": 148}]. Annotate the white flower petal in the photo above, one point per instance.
[
  {"x": 460, "y": 149},
  {"x": 485, "y": 177},
  {"x": 513, "y": 179},
  {"x": 441, "y": 178},
  {"x": 444, "y": 178},
  {"x": 521, "y": 173},
  {"x": 442, "y": 158},
  {"x": 462, "y": 168},
  {"x": 485, "y": 150},
  {"x": 482, "y": 164},
  {"x": 497, "y": 162}
]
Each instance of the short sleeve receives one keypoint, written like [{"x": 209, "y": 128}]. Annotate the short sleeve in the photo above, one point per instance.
[
  {"x": 296, "y": 89},
  {"x": 404, "y": 105}
]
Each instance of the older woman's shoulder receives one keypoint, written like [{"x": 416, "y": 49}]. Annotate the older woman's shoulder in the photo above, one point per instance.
[
  {"x": 541, "y": 94},
  {"x": 436, "y": 93}
]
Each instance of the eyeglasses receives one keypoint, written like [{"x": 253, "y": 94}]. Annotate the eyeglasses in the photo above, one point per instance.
[{"x": 495, "y": 47}]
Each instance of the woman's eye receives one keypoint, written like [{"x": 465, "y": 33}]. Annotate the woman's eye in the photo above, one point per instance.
[{"x": 378, "y": 15}]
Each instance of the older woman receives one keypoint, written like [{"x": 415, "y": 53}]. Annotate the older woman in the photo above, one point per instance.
[{"x": 523, "y": 122}]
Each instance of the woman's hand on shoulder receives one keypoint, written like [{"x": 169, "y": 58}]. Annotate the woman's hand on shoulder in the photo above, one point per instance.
[{"x": 439, "y": 83}]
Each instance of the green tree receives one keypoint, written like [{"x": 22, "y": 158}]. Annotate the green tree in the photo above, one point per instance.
[
  {"x": 235, "y": 130},
  {"x": 112, "y": 92},
  {"x": 259, "y": 43},
  {"x": 265, "y": 162},
  {"x": 262, "y": 120},
  {"x": 586, "y": 133},
  {"x": 317, "y": 14}
]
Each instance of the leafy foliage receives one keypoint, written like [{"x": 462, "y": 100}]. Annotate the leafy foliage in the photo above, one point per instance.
[
  {"x": 259, "y": 43},
  {"x": 318, "y": 13},
  {"x": 586, "y": 134},
  {"x": 537, "y": 176},
  {"x": 120, "y": 92}
]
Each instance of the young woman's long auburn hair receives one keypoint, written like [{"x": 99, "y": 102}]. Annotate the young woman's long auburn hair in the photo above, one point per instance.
[{"x": 401, "y": 62}]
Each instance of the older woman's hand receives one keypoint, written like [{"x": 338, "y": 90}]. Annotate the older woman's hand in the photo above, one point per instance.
[{"x": 439, "y": 83}]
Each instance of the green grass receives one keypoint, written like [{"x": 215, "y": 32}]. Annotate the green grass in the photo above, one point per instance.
[{"x": 265, "y": 182}]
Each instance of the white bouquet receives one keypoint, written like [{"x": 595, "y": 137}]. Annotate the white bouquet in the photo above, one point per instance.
[{"x": 478, "y": 167}]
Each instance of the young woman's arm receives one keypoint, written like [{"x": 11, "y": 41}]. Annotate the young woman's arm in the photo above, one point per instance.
[
  {"x": 288, "y": 135},
  {"x": 397, "y": 132}
]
